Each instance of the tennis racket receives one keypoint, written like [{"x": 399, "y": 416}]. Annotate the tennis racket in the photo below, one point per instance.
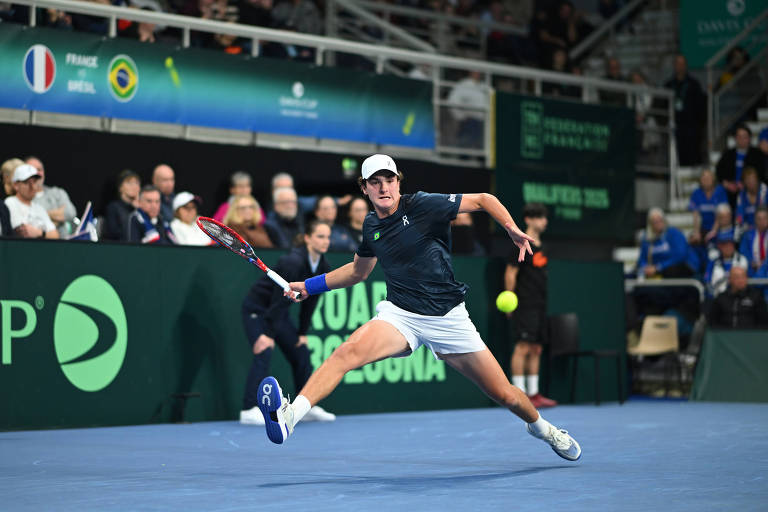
[{"x": 229, "y": 238}]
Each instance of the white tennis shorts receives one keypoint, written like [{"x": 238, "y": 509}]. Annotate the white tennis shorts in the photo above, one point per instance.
[{"x": 452, "y": 333}]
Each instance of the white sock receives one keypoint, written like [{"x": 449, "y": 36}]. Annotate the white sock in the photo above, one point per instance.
[
  {"x": 540, "y": 426},
  {"x": 532, "y": 384},
  {"x": 519, "y": 382},
  {"x": 300, "y": 406}
]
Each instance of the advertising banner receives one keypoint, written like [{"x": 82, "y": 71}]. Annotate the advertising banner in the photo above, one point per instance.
[
  {"x": 705, "y": 27},
  {"x": 56, "y": 71},
  {"x": 577, "y": 159}
]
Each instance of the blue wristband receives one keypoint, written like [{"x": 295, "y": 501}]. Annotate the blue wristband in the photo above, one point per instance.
[{"x": 317, "y": 284}]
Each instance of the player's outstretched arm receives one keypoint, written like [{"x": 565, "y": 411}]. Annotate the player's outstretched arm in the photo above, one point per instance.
[
  {"x": 490, "y": 204},
  {"x": 348, "y": 275}
]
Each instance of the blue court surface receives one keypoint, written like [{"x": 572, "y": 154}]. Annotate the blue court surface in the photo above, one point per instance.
[{"x": 644, "y": 455}]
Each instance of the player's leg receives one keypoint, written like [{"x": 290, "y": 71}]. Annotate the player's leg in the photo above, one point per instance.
[
  {"x": 373, "y": 341},
  {"x": 483, "y": 369}
]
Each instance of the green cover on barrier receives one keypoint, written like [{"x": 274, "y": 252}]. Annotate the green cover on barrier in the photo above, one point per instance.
[{"x": 732, "y": 367}]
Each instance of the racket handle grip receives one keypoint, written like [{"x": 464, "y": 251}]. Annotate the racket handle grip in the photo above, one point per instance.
[{"x": 282, "y": 283}]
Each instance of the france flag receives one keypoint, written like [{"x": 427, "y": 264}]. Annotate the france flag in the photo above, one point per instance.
[{"x": 39, "y": 68}]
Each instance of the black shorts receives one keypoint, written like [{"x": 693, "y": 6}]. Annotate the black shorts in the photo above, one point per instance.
[{"x": 530, "y": 325}]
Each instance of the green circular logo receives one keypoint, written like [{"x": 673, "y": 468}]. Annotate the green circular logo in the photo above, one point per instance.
[
  {"x": 123, "y": 78},
  {"x": 90, "y": 333}
]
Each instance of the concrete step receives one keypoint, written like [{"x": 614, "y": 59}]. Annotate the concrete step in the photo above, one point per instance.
[
  {"x": 681, "y": 220},
  {"x": 762, "y": 115},
  {"x": 678, "y": 204},
  {"x": 688, "y": 173}
]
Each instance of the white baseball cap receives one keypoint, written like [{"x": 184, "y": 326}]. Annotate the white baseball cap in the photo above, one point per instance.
[
  {"x": 183, "y": 198},
  {"x": 376, "y": 163},
  {"x": 24, "y": 172}
]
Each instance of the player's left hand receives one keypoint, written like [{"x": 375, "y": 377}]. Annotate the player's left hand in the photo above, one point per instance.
[{"x": 521, "y": 240}]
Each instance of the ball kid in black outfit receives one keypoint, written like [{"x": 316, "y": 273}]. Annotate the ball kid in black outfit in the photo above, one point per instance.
[{"x": 267, "y": 322}]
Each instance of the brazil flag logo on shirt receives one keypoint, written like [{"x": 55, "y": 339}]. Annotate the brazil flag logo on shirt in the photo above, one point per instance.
[
  {"x": 123, "y": 78},
  {"x": 376, "y": 235}
]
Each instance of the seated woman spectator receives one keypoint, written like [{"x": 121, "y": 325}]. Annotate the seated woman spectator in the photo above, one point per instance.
[
  {"x": 664, "y": 250},
  {"x": 341, "y": 239},
  {"x": 358, "y": 209},
  {"x": 703, "y": 203},
  {"x": 736, "y": 59},
  {"x": 723, "y": 223},
  {"x": 244, "y": 216},
  {"x": 752, "y": 195},
  {"x": 239, "y": 185},
  {"x": 184, "y": 224},
  {"x": 716, "y": 275},
  {"x": 754, "y": 243},
  {"x": 735, "y": 160}
]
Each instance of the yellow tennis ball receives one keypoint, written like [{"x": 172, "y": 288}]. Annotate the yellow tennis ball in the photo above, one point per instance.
[{"x": 506, "y": 302}]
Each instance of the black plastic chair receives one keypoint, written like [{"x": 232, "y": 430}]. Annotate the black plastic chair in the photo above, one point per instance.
[{"x": 564, "y": 342}]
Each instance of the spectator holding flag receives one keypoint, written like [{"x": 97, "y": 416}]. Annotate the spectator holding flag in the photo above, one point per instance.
[{"x": 146, "y": 224}]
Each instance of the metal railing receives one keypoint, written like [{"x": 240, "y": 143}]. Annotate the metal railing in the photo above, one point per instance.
[
  {"x": 729, "y": 103},
  {"x": 442, "y": 70},
  {"x": 443, "y": 31},
  {"x": 630, "y": 284},
  {"x": 606, "y": 30}
]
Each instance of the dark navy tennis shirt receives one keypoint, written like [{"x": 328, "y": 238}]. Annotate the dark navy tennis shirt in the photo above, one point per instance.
[{"x": 413, "y": 247}]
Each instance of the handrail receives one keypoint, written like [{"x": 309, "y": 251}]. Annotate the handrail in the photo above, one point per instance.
[
  {"x": 450, "y": 18},
  {"x": 736, "y": 40},
  {"x": 712, "y": 95},
  {"x": 398, "y": 32},
  {"x": 629, "y": 284},
  {"x": 608, "y": 26}
]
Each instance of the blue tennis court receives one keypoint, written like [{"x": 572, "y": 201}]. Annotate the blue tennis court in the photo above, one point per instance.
[{"x": 644, "y": 455}]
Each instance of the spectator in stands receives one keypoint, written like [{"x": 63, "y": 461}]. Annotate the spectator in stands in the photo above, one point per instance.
[
  {"x": 733, "y": 162},
  {"x": 8, "y": 167},
  {"x": 164, "y": 179},
  {"x": 341, "y": 239},
  {"x": 301, "y": 16},
  {"x": 471, "y": 94},
  {"x": 358, "y": 209},
  {"x": 613, "y": 72},
  {"x": 501, "y": 46},
  {"x": 704, "y": 201},
  {"x": 690, "y": 112},
  {"x": 741, "y": 306},
  {"x": 284, "y": 219},
  {"x": 736, "y": 59},
  {"x": 754, "y": 243},
  {"x": 723, "y": 222},
  {"x": 55, "y": 200},
  {"x": 649, "y": 137},
  {"x": 716, "y": 275},
  {"x": 29, "y": 219},
  {"x": 560, "y": 64},
  {"x": 306, "y": 203},
  {"x": 664, "y": 250},
  {"x": 119, "y": 211},
  {"x": 244, "y": 216},
  {"x": 144, "y": 32},
  {"x": 216, "y": 10},
  {"x": 184, "y": 224},
  {"x": 762, "y": 144},
  {"x": 239, "y": 185},
  {"x": 753, "y": 194},
  {"x": 6, "y": 231},
  {"x": 147, "y": 225}
]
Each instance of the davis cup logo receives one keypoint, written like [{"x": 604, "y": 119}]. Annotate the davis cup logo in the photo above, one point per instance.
[
  {"x": 39, "y": 68},
  {"x": 123, "y": 78}
]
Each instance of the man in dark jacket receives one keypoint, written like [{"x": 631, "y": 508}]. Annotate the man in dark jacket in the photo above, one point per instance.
[
  {"x": 690, "y": 107},
  {"x": 735, "y": 160},
  {"x": 740, "y": 306}
]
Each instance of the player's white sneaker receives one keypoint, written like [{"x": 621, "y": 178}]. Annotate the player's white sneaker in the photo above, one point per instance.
[
  {"x": 277, "y": 412},
  {"x": 317, "y": 413},
  {"x": 560, "y": 441},
  {"x": 251, "y": 416}
]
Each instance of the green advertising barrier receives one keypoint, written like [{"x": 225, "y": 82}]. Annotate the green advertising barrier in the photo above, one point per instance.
[
  {"x": 107, "y": 334},
  {"x": 577, "y": 159},
  {"x": 732, "y": 367},
  {"x": 706, "y": 27},
  {"x": 58, "y": 71}
]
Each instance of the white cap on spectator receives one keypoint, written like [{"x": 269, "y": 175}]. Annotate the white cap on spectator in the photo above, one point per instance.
[
  {"x": 376, "y": 163},
  {"x": 183, "y": 198},
  {"x": 24, "y": 172}
]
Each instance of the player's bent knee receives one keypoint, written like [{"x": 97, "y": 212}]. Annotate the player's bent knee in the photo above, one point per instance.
[{"x": 349, "y": 355}]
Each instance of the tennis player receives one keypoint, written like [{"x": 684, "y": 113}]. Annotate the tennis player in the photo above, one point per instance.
[{"x": 410, "y": 235}]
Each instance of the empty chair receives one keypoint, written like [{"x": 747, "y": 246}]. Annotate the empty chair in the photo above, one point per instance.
[
  {"x": 564, "y": 342},
  {"x": 658, "y": 337}
]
